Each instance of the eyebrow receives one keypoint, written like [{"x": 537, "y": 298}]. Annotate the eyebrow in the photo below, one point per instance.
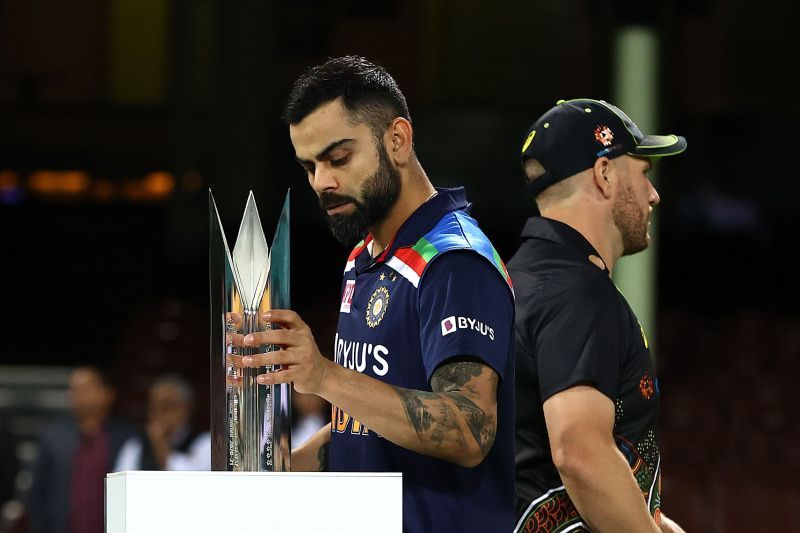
[{"x": 325, "y": 151}]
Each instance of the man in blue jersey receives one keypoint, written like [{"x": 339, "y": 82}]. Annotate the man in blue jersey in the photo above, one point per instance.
[{"x": 422, "y": 379}]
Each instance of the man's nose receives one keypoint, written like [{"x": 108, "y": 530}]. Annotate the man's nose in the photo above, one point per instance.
[
  {"x": 655, "y": 199},
  {"x": 323, "y": 179}
]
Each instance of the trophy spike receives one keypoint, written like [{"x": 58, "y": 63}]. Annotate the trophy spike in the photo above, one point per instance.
[{"x": 251, "y": 254}]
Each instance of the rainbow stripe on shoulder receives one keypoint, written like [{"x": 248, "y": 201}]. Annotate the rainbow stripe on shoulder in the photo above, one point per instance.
[{"x": 455, "y": 231}]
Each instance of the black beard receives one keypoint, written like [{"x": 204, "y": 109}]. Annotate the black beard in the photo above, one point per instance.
[{"x": 379, "y": 192}]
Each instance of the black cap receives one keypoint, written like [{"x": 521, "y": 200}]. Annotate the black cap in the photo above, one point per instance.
[{"x": 572, "y": 135}]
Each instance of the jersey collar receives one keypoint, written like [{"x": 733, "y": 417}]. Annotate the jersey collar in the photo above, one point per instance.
[
  {"x": 555, "y": 231},
  {"x": 415, "y": 226}
]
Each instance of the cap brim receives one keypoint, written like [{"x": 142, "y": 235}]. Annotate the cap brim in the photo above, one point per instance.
[{"x": 660, "y": 146}]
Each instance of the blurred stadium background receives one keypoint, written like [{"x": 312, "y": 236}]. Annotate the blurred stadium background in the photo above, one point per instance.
[{"x": 117, "y": 116}]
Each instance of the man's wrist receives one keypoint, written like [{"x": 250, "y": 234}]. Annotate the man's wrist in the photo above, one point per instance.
[{"x": 328, "y": 377}]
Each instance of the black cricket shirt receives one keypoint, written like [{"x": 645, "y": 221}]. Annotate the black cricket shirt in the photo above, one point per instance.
[{"x": 574, "y": 327}]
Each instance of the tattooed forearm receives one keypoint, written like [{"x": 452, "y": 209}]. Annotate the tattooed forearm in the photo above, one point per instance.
[
  {"x": 455, "y": 375},
  {"x": 462, "y": 391},
  {"x": 431, "y": 417},
  {"x": 418, "y": 412},
  {"x": 468, "y": 383},
  {"x": 479, "y": 423},
  {"x": 322, "y": 457}
]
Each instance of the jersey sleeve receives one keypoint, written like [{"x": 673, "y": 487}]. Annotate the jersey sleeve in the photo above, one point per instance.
[
  {"x": 465, "y": 309},
  {"x": 580, "y": 340}
]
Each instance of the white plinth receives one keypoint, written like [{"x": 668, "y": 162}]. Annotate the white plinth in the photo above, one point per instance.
[{"x": 257, "y": 502}]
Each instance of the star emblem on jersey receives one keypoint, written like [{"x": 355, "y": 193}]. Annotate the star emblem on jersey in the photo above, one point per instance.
[
  {"x": 603, "y": 135},
  {"x": 377, "y": 305}
]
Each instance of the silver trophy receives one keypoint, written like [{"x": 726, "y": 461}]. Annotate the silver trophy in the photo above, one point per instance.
[{"x": 250, "y": 423}]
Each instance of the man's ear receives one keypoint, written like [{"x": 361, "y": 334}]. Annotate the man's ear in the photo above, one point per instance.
[
  {"x": 603, "y": 176},
  {"x": 401, "y": 141}
]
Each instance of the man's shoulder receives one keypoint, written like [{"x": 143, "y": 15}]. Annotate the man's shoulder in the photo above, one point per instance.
[
  {"x": 457, "y": 234},
  {"x": 560, "y": 279},
  {"x": 547, "y": 257}
]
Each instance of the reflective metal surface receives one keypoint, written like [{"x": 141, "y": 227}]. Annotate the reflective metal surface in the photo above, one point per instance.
[{"x": 251, "y": 423}]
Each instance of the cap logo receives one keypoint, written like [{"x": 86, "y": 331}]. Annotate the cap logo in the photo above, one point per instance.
[
  {"x": 528, "y": 141},
  {"x": 603, "y": 135}
]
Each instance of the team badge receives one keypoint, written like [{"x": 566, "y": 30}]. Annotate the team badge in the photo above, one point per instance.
[
  {"x": 377, "y": 305},
  {"x": 646, "y": 387},
  {"x": 603, "y": 135}
]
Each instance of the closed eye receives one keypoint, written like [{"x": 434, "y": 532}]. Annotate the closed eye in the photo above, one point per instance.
[{"x": 340, "y": 161}]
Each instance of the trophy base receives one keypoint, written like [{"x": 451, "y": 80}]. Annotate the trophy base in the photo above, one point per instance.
[{"x": 255, "y": 502}]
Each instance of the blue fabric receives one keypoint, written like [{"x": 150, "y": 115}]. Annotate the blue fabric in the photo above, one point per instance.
[{"x": 402, "y": 340}]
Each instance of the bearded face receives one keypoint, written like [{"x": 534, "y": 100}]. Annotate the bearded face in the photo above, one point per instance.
[
  {"x": 631, "y": 219},
  {"x": 378, "y": 192}
]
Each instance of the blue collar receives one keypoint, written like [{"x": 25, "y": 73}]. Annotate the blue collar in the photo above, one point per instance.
[{"x": 418, "y": 224}]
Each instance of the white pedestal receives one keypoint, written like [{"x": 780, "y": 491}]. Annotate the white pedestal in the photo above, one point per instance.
[{"x": 253, "y": 502}]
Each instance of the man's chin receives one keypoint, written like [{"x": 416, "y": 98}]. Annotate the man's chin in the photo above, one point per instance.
[{"x": 346, "y": 230}]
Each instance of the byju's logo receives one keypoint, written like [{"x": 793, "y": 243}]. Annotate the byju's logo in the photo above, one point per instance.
[
  {"x": 448, "y": 325},
  {"x": 453, "y": 323}
]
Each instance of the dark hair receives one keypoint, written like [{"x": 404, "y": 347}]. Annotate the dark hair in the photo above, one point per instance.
[{"x": 369, "y": 93}]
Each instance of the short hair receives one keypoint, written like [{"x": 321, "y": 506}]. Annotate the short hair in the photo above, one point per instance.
[
  {"x": 369, "y": 93},
  {"x": 554, "y": 193}
]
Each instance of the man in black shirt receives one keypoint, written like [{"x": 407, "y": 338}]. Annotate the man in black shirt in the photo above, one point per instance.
[{"x": 587, "y": 451}]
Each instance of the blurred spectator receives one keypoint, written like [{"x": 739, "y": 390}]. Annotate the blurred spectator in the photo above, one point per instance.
[
  {"x": 8, "y": 464},
  {"x": 308, "y": 416},
  {"x": 169, "y": 442},
  {"x": 74, "y": 456}
]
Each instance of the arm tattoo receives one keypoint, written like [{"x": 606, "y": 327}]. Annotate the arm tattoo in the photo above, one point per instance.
[
  {"x": 455, "y": 375},
  {"x": 322, "y": 457},
  {"x": 418, "y": 412},
  {"x": 456, "y": 381},
  {"x": 435, "y": 419},
  {"x": 479, "y": 423}
]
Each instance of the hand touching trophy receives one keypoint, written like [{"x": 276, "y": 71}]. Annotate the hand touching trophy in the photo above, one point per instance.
[{"x": 250, "y": 423}]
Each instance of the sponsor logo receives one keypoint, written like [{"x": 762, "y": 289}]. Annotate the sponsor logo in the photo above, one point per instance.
[
  {"x": 347, "y": 295},
  {"x": 377, "y": 305},
  {"x": 610, "y": 149},
  {"x": 453, "y": 323},
  {"x": 448, "y": 325},
  {"x": 528, "y": 140},
  {"x": 603, "y": 135},
  {"x": 356, "y": 355}
]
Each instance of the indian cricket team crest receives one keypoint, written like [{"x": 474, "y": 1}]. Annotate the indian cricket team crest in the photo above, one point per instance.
[{"x": 377, "y": 305}]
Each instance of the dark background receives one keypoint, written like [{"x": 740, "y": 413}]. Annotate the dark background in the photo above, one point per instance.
[{"x": 117, "y": 117}]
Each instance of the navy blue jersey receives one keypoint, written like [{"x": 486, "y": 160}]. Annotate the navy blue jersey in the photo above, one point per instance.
[{"x": 438, "y": 291}]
